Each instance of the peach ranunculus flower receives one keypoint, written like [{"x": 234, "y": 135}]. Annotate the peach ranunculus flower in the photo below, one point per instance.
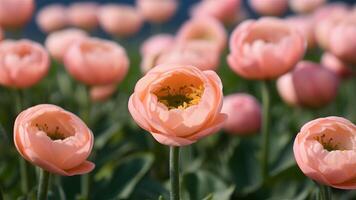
[
  {"x": 201, "y": 55},
  {"x": 96, "y": 61},
  {"x": 102, "y": 93},
  {"x": 23, "y": 63},
  {"x": 305, "y": 6},
  {"x": 120, "y": 20},
  {"x": 306, "y": 25},
  {"x": 15, "y": 13},
  {"x": 309, "y": 84},
  {"x": 334, "y": 64},
  {"x": 52, "y": 18},
  {"x": 54, "y": 139},
  {"x": 226, "y": 11},
  {"x": 244, "y": 114},
  {"x": 265, "y": 48},
  {"x": 58, "y": 42},
  {"x": 325, "y": 150},
  {"x": 178, "y": 104},
  {"x": 203, "y": 29},
  {"x": 269, "y": 7},
  {"x": 157, "y": 11},
  {"x": 152, "y": 48},
  {"x": 83, "y": 15}
]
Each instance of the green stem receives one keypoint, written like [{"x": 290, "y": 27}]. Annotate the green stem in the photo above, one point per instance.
[
  {"x": 24, "y": 172},
  {"x": 174, "y": 172},
  {"x": 43, "y": 185},
  {"x": 324, "y": 192},
  {"x": 265, "y": 128}
]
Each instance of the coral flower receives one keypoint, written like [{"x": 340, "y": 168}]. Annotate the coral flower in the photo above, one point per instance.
[
  {"x": 157, "y": 11},
  {"x": 203, "y": 29},
  {"x": 96, "y": 61},
  {"x": 58, "y": 42},
  {"x": 120, "y": 20},
  {"x": 265, "y": 49},
  {"x": 52, "y": 17},
  {"x": 309, "y": 84},
  {"x": 201, "y": 55},
  {"x": 23, "y": 63},
  {"x": 334, "y": 64},
  {"x": 244, "y": 114},
  {"x": 226, "y": 11},
  {"x": 305, "y": 6},
  {"x": 54, "y": 139},
  {"x": 83, "y": 15},
  {"x": 269, "y": 7},
  {"x": 15, "y": 13},
  {"x": 325, "y": 151},
  {"x": 178, "y": 104},
  {"x": 102, "y": 92}
]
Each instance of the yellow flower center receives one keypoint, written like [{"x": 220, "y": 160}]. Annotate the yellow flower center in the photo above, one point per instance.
[
  {"x": 327, "y": 143},
  {"x": 181, "y": 97}
]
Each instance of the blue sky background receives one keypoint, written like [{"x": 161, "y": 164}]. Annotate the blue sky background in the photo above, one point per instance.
[{"x": 182, "y": 14}]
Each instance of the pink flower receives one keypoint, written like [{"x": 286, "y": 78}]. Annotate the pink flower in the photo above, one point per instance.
[
  {"x": 306, "y": 26},
  {"x": 57, "y": 43},
  {"x": 157, "y": 11},
  {"x": 83, "y": 15},
  {"x": 203, "y": 29},
  {"x": 15, "y": 13},
  {"x": 308, "y": 85},
  {"x": 102, "y": 92},
  {"x": 226, "y": 11},
  {"x": 152, "y": 48},
  {"x": 244, "y": 114},
  {"x": 329, "y": 9},
  {"x": 202, "y": 55},
  {"x": 23, "y": 63},
  {"x": 54, "y": 139},
  {"x": 261, "y": 49},
  {"x": 178, "y": 104},
  {"x": 52, "y": 17},
  {"x": 96, "y": 61},
  {"x": 325, "y": 150},
  {"x": 305, "y": 6},
  {"x": 120, "y": 20},
  {"x": 269, "y": 7},
  {"x": 334, "y": 64}
]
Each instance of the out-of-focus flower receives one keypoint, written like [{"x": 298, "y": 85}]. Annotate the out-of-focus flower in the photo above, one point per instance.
[
  {"x": 305, "y": 6},
  {"x": 120, "y": 20},
  {"x": 157, "y": 11},
  {"x": 83, "y": 15},
  {"x": 2, "y": 35},
  {"x": 308, "y": 85},
  {"x": 261, "y": 49},
  {"x": 152, "y": 48},
  {"x": 58, "y": 42},
  {"x": 334, "y": 64},
  {"x": 102, "y": 93},
  {"x": 269, "y": 7},
  {"x": 178, "y": 104},
  {"x": 96, "y": 61},
  {"x": 325, "y": 150},
  {"x": 329, "y": 9},
  {"x": 15, "y": 13},
  {"x": 306, "y": 26},
  {"x": 23, "y": 63},
  {"x": 201, "y": 55},
  {"x": 54, "y": 139},
  {"x": 52, "y": 17},
  {"x": 226, "y": 11},
  {"x": 205, "y": 29},
  {"x": 243, "y": 114}
]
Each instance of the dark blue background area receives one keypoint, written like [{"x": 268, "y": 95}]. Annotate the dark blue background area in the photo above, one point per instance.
[{"x": 182, "y": 14}]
